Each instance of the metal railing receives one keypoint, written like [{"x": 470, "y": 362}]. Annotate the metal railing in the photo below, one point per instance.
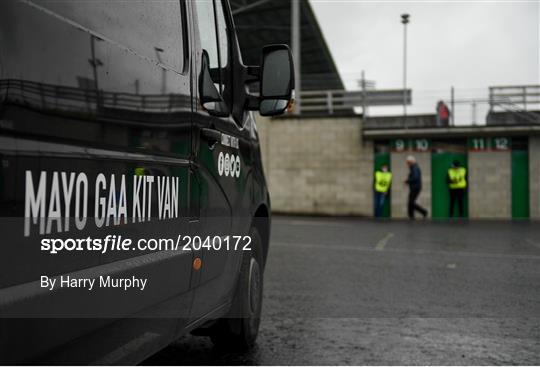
[
  {"x": 519, "y": 100},
  {"x": 339, "y": 101},
  {"x": 522, "y": 97},
  {"x": 58, "y": 97}
]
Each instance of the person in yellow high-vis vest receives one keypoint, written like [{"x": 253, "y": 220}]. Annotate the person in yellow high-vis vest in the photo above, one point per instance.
[
  {"x": 457, "y": 185},
  {"x": 381, "y": 184}
]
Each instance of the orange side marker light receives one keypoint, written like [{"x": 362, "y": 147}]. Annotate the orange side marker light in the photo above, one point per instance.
[{"x": 197, "y": 263}]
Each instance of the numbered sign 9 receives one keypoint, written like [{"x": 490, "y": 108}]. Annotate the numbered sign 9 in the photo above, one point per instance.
[{"x": 400, "y": 145}]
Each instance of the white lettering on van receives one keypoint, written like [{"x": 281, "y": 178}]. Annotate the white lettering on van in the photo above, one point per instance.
[
  {"x": 67, "y": 188},
  {"x": 150, "y": 181},
  {"x": 44, "y": 208},
  {"x": 54, "y": 213},
  {"x": 100, "y": 202},
  {"x": 111, "y": 206},
  {"x": 122, "y": 202},
  {"x": 81, "y": 192},
  {"x": 34, "y": 206},
  {"x": 137, "y": 213},
  {"x": 167, "y": 197}
]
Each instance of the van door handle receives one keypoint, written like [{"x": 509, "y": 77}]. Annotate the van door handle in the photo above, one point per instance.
[{"x": 211, "y": 136}]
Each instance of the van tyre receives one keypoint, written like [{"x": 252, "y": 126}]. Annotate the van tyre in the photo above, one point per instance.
[{"x": 239, "y": 329}]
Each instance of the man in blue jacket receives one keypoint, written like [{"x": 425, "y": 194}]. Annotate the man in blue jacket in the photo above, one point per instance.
[{"x": 415, "y": 186}]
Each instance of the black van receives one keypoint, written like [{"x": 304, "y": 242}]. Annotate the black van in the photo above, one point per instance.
[{"x": 130, "y": 157}]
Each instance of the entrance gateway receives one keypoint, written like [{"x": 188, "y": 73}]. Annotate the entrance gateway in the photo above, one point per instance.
[{"x": 499, "y": 175}]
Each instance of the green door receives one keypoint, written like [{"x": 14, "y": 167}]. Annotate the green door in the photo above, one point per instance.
[
  {"x": 440, "y": 196},
  {"x": 381, "y": 159},
  {"x": 520, "y": 184}
]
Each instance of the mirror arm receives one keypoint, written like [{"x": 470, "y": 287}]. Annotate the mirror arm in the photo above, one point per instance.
[
  {"x": 252, "y": 103},
  {"x": 253, "y": 74}
]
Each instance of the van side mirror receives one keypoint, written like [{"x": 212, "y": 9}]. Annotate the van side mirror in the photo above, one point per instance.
[{"x": 276, "y": 81}]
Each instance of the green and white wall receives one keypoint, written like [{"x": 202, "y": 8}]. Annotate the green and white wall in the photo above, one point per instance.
[
  {"x": 326, "y": 166},
  {"x": 500, "y": 185}
]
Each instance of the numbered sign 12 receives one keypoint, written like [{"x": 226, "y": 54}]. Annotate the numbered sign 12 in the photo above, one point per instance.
[{"x": 500, "y": 143}]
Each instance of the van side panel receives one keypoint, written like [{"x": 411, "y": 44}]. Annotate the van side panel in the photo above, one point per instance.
[{"x": 95, "y": 99}]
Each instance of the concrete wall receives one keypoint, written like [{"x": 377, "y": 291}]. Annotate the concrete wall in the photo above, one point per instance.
[
  {"x": 317, "y": 165},
  {"x": 490, "y": 191},
  {"x": 534, "y": 176},
  {"x": 400, "y": 191}
]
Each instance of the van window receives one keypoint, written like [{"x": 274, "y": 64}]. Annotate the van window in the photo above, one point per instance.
[
  {"x": 151, "y": 29},
  {"x": 223, "y": 35},
  {"x": 207, "y": 31},
  {"x": 213, "y": 32},
  {"x": 224, "y": 53}
]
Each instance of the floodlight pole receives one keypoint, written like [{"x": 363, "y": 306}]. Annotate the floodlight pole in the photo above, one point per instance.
[
  {"x": 295, "y": 40},
  {"x": 452, "y": 104},
  {"x": 405, "y": 21}
]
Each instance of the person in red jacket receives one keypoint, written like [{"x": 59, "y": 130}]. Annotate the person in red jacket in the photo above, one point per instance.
[{"x": 443, "y": 114}]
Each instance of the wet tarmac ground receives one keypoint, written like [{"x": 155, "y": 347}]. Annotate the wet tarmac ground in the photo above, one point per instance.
[{"x": 353, "y": 291}]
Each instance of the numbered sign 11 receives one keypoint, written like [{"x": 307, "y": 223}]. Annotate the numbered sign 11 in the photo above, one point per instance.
[{"x": 478, "y": 144}]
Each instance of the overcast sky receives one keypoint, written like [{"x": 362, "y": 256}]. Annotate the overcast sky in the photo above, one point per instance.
[{"x": 468, "y": 44}]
